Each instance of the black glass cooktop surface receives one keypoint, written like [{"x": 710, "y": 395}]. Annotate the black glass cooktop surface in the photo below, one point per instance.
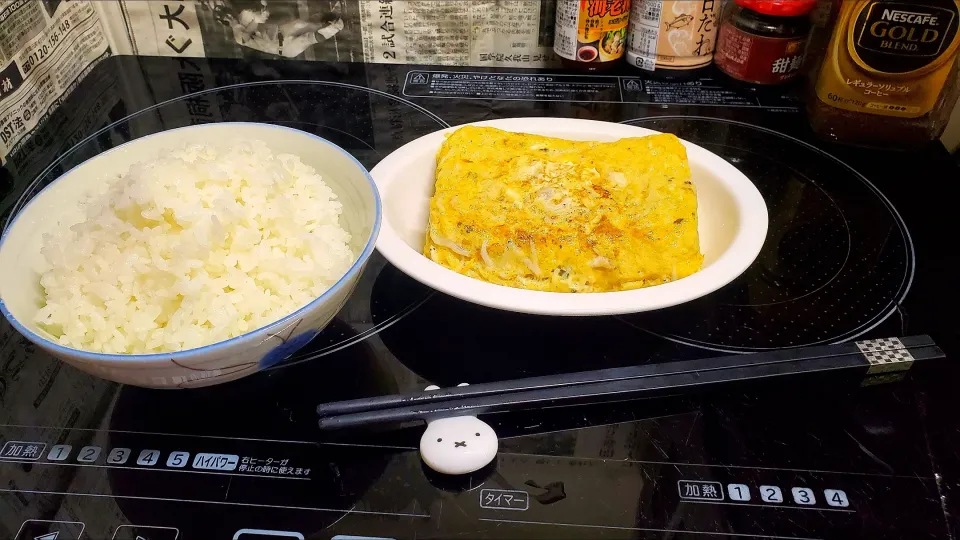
[
  {"x": 856, "y": 250},
  {"x": 838, "y": 258}
]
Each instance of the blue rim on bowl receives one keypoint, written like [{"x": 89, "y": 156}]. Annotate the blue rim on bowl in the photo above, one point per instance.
[{"x": 355, "y": 268}]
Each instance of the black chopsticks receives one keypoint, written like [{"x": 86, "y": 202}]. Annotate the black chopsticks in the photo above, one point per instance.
[{"x": 615, "y": 384}]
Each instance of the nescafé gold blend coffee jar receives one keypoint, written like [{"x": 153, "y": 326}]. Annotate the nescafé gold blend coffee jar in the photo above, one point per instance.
[{"x": 888, "y": 72}]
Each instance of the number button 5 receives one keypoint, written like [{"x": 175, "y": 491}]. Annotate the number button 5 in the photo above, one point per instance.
[
  {"x": 178, "y": 459},
  {"x": 803, "y": 495}
]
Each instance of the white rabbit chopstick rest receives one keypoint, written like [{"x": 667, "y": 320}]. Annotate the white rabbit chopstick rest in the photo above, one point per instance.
[{"x": 458, "y": 445}]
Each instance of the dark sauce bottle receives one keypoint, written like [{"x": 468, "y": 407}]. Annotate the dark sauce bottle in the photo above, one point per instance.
[
  {"x": 764, "y": 41},
  {"x": 591, "y": 36}
]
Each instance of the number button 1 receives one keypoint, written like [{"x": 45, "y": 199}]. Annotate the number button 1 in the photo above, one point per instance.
[
  {"x": 59, "y": 452},
  {"x": 771, "y": 494},
  {"x": 118, "y": 456},
  {"x": 148, "y": 458},
  {"x": 738, "y": 492},
  {"x": 178, "y": 459},
  {"x": 803, "y": 495},
  {"x": 836, "y": 497}
]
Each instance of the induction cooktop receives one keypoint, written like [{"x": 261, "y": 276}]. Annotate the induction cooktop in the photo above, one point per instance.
[{"x": 855, "y": 250}]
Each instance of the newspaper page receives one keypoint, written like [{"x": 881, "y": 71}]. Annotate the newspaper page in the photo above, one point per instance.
[
  {"x": 46, "y": 47},
  {"x": 515, "y": 33},
  {"x": 326, "y": 30}
]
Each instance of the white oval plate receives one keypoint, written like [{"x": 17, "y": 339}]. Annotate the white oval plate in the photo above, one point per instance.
[{"x": 732, "y": 218}]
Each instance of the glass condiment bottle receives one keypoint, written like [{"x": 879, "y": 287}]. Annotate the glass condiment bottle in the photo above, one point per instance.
[
  {"x": 673, "y": 38},
  {"x": 591, "y": 35},
  {"x": 888, "y": 76},
  {"x": 764, "y": 41}
]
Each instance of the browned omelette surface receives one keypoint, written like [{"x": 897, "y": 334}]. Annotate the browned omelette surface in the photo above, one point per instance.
[{"x": 550, "y": 214}]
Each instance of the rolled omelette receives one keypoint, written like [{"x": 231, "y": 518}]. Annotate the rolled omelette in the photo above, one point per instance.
[{"x": 550, "y": 214}]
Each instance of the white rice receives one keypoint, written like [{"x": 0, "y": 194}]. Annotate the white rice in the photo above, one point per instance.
[{"x": 198, "y": 246}]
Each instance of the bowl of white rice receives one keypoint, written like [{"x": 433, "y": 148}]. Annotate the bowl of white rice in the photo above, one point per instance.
[{"x": 190, "y": 257}]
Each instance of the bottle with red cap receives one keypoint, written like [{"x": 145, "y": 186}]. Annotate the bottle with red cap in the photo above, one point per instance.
[{"x": 764, "y": 41}]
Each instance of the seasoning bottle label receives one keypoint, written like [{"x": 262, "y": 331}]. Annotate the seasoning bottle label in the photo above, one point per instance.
[
  {"x": 759, "y": 59},
  {"x": 591, "y": 30},
  {"x": 890, "y": 58},
  {"x": 672, "y": 34}
]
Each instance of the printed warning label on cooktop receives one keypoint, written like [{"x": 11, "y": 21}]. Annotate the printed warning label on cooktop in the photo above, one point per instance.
[{"x": 593, "y": 88}]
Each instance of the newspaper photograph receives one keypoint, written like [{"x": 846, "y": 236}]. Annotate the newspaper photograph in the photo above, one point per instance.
[
  {"x": 326, "y": 30},
  {"x": 319, "y": 30}
]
